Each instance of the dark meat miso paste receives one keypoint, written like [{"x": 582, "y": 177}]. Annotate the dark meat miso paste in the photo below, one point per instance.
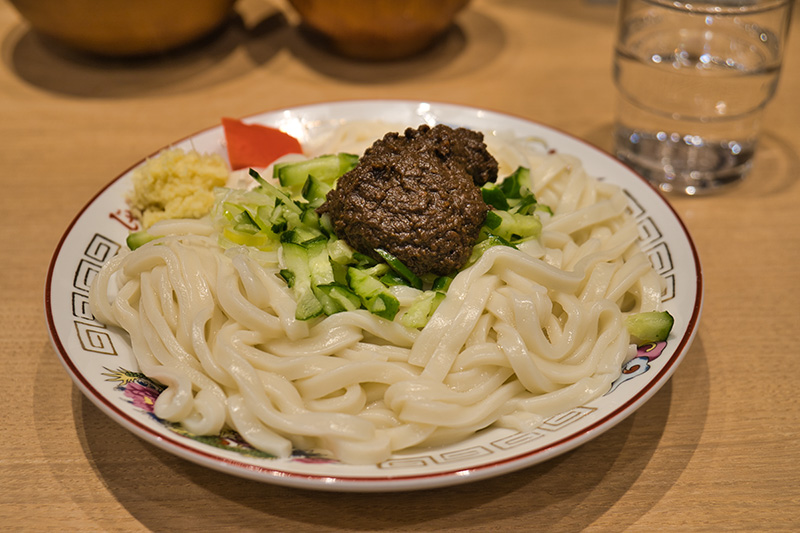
[{"x": 416, "y": 196}]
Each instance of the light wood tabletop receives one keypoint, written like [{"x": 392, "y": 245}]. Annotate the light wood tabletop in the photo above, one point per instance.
[{"x": 715, "y": 449}]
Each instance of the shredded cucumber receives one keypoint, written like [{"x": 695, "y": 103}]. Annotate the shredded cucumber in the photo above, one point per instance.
[
  {"x": 513, "y": 218},
  {"x": 324, "y": 273}
]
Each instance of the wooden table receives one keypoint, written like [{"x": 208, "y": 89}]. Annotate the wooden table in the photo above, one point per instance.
[{"x": 715, "y": 449}]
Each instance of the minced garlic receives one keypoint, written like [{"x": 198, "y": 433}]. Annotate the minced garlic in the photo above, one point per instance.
[{"x": 176, "y": 184}]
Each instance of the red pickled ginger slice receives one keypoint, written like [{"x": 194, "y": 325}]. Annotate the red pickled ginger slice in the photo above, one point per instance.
[{"x": 254, "y": 145}]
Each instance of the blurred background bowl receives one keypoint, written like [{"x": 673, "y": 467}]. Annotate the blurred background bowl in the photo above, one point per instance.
[
  {"x": 124, "y": 27},
  {"x": 378, "y": 29}
]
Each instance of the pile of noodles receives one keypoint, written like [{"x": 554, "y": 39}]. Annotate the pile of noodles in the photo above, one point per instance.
[{"x": 522, "y": 335}]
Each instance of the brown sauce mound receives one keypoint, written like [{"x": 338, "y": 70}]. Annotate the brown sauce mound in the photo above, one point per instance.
[{"x": 417, "y": 196}]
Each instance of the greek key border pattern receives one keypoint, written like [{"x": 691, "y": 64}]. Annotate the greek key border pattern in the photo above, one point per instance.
[
  {"x": 93, "y": 336},
  {"x": 553, "y": 424},
  {"x": 652, "y": 241}
]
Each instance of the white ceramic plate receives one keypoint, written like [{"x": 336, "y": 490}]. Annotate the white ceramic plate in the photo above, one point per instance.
[{"x": 100, "y": 361}]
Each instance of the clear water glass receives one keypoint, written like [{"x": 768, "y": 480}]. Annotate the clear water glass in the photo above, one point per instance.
[{"x": 693, "y": 80}]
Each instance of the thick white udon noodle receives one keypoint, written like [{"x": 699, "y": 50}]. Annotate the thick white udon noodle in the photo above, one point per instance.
[{"x": 522, "y": 334}]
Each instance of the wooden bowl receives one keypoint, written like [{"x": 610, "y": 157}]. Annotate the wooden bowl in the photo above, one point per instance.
[
  {"x": 378, "y": 29},
  {"x": 124, "y": 27}
]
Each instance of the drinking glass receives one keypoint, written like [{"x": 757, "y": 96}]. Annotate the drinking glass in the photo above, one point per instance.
[{"x": 693, "y": 79}]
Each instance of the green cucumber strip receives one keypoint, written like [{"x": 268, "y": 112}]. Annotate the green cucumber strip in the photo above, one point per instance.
[
  {"x": 325, "y": 224},
  {"x": 340, "y": 252},
  {"x": 315, "y": 189},
  {"x": 330, "y": 306},
  {"x": 516, "y": 184},
  {"x": 494, "y": 196},
  {"x": 383, "y": 305},
  {"x": 288, "y": 276},
  {"x": 343, "y": 298},
  {"x": 319, "y": 262},
  {"x": 376, "y": 270},
  {"x": 138, "y": 238},
  {"x": 363, "y": 284},
  {"x": 363, "y": 261},
  {"x": 245, "y": 223},
  {"x": 442, "y": 283},
  {"x": 310, "y": 219},
  {"x": 271, "y": 190},
  {"x": 308, "y": 306},
  {"x": 490, "y": 240},
  {"x": 295, "y": 257},
  {"x": 400, "y": 268},
  {"x": 493, "y": 220},
  {"x": 525, "y": 206},
  {"x": 650, "y": 326},
  {"x": 326, "y": 168},
  {"x": 373, "y": 294},
  {"x": 515, "y": 227},
  {"x": 392, "y": 278},
  {"x": 420, "y": 311}
]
